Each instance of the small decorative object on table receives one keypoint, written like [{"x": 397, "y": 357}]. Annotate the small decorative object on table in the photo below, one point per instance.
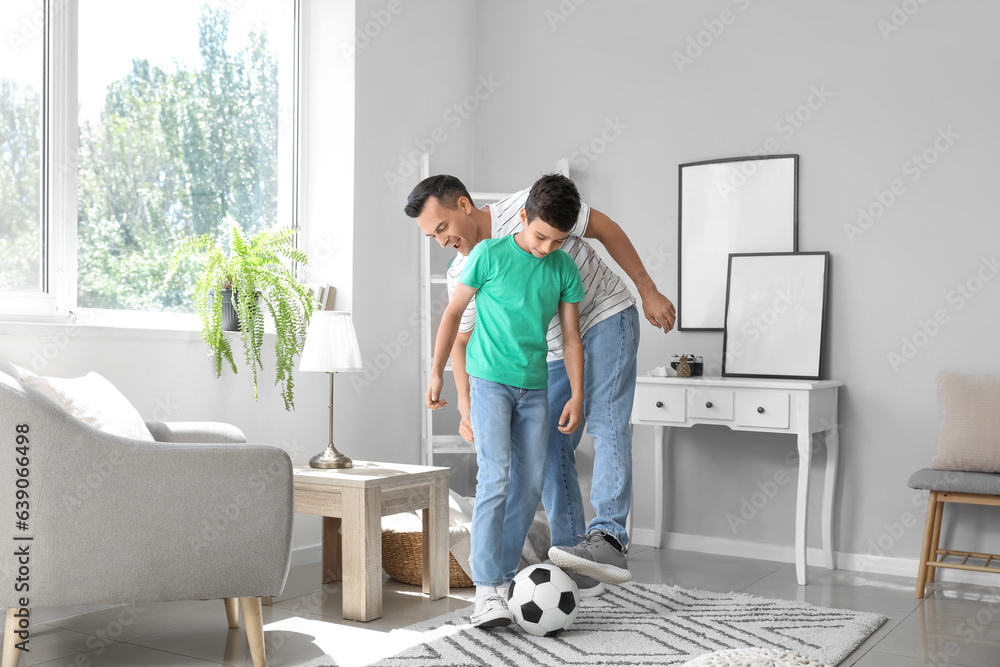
[
  {"x": 696, "y": 362},
  {"x": 684, "y": 368}
]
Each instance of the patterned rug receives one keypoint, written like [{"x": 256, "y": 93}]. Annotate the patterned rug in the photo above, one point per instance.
[{"x": 643, "y": 624}]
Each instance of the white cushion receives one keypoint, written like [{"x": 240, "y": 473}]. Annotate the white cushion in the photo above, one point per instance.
[
  {"x": 969, "y": 435},
  {"x": 94, "y": 401}
]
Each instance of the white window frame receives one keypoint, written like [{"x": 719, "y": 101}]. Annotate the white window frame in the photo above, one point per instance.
[{"x": 57, "y": 301}]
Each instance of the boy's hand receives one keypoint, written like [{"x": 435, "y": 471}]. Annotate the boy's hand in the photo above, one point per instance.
[
  {"x": 572, "y": 416},
  {"x": 465, "y": 429},
  {"x": 433, "y": 395}
]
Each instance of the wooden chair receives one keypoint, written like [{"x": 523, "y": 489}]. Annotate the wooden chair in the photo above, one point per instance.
[{"x": 949, "y": 486}]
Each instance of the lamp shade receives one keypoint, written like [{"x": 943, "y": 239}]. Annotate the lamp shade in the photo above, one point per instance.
[{"x": 331, "y": 344}]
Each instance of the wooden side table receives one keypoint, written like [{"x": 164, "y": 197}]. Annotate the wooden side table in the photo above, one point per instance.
[{"x": 353, "y": 502}]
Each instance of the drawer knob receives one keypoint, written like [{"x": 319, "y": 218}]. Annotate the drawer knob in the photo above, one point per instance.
[
  {"x": 659, "y": 404},
  {"x": 760, "y": 410},
  {"x": 709, "y": 404}
]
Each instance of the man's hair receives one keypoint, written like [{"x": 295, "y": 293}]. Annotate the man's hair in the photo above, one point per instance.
[
  {"x": 446, "y": 189},
  {"x": 554, "y": 199}
]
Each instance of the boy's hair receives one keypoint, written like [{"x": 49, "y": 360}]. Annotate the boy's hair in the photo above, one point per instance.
[
  {"x": 446, "y": 189},
  {"x": 554, "y": 199}
]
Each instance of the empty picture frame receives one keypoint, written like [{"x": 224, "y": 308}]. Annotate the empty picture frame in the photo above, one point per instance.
[
  {"x": 775, "y": 315},
  {"x": 747, "y": 204}
]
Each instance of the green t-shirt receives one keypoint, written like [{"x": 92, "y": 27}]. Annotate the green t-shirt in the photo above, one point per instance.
[{"x": 518, "y": 296}]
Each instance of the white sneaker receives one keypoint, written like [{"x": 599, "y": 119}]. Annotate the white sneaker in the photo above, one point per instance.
[{"x": 492, "y": 612}]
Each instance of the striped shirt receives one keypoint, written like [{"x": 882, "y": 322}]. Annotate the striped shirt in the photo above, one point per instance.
[{"x": 605, "y": 293}]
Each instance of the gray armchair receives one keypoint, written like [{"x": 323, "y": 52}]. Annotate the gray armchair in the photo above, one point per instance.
[{"x": 197, "y": 515}]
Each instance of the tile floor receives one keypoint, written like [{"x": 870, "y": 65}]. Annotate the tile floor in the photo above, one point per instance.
[{"x": 957, "y": 626}]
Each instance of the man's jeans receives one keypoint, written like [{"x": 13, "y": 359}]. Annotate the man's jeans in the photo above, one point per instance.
[
  {"x": 511, "y": 426},
  {"x": 609, "y": 349}
]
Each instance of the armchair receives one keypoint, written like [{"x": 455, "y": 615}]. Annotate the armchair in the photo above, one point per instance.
[{"x": 198, "y": 514}]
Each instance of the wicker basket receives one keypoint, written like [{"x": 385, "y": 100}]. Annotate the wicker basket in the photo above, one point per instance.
[{"x": 403, "y": 560}]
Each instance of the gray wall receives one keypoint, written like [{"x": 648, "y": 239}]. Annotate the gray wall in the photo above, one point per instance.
[
  {"x": 407, "y": 79},
  {"x": 885, "y": 99}
]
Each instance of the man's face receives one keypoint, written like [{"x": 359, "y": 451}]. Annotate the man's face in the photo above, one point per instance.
[
  {"x": 449, "y": 226},
  {"x": 539, "y": 237}
]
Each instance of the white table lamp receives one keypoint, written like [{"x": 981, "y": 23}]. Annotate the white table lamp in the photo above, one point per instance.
[{"x": 331, "y": 347}]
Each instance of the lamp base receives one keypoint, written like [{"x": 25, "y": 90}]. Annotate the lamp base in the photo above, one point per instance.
[{"x": 330, "y": 458}]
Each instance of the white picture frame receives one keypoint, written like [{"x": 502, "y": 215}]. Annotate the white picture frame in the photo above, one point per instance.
[
  {"x": 775, "y": 315},
  {"x": 731, "y": 205}
]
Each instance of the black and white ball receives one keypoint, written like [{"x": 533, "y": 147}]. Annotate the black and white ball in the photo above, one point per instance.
[{"x": 544, "y": 600}]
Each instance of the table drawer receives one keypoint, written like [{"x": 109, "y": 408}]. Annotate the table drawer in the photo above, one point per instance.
[
  {"x": 658, "y": 403},
  {"x": 710, "y": 404},
  {"x": 768, "y": 409}
]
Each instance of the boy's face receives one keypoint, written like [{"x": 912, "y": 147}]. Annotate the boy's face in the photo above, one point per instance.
[
  {"x": 449, "y": 226},
  {"x": 539, "y": 237}
]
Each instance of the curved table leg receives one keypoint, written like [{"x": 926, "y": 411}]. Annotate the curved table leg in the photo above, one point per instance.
[
  {"x": 802, "y": 505},
  {"x": 658, "y": 486},
  {"x": 829, "y": 491}
]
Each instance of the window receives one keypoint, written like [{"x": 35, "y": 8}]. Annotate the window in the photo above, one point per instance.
[
  {"x": 183, "y": 117},
  {"x": 22, "y": 255}
]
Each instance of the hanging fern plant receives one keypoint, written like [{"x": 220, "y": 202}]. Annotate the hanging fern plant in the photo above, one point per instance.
[{"x": 254, "y": 270}]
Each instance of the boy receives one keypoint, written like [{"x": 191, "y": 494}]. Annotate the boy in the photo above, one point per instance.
[
  {"x": 520, "y": 282},
  {"x": 609, "y": 329}
]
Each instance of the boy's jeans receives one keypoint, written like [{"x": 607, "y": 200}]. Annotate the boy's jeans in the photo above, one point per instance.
[
  {"x": 511, "y": 426},
  {"x": 609, "y": 349}
]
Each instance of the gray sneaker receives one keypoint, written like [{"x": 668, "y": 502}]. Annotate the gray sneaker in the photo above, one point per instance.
[
  {"x": 587, "y": 586},
  {"x": 594, "y": 557}
]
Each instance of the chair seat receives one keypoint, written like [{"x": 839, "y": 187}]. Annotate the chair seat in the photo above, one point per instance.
[{"x": 956, "y": 481}]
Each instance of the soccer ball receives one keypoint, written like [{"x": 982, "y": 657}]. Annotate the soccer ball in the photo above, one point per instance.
[{"x": 544, "y": 600}]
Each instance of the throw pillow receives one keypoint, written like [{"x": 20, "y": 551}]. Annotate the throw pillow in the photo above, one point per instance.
[
  {"x": 969, "y": 436},
  {"x": 94, "y": 401}
]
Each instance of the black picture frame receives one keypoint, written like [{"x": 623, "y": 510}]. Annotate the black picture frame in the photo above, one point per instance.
[
  {"x": 709, "y": 290},
  {"x": 795, "y": 336}
]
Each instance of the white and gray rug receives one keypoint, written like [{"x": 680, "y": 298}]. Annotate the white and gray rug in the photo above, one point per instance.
[{"x": 644, "y": 624}]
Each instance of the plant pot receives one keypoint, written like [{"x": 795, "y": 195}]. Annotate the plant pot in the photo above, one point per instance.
[{"x": 230, "y": 316}]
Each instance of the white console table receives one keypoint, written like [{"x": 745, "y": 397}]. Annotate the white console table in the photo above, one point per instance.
[{"x": 799, "y": 407}]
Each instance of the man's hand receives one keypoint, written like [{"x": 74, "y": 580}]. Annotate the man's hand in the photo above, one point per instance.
[
  {"x": 433, "y": 395},
  {"x": 572, "y": 416},
  {"x": 465, "y": 429},
  {"x": 658, "y": 310}
]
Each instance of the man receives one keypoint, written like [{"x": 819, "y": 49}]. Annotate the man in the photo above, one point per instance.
[{"x": 609, "y": 324}]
